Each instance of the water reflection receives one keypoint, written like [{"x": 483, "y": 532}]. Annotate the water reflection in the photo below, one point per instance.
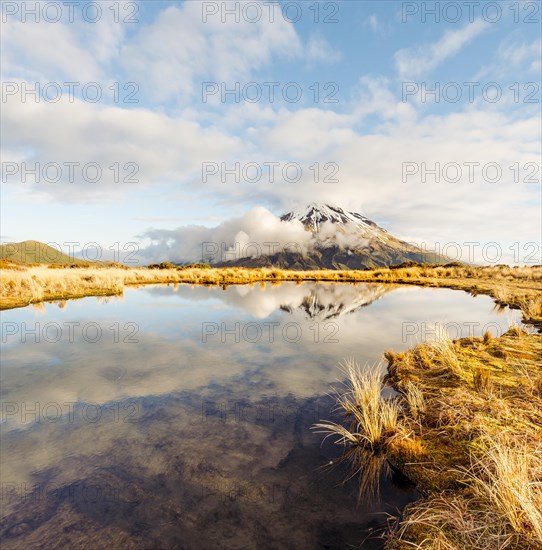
[
  {"x": 159, "y": 435},
  {"x": 317, "y": 300}
]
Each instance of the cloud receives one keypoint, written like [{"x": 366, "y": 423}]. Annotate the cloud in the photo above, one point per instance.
[
  {"x": 373, "y": 22},
  {"x": 161, "y": 148},
  {"x": 318, "y": 49},
  {"x": 68, "y": 51},
  {"x": 168, "y": 58},
  {"x": 412, "y": 62},
  {"x": 248, "y": 235},
  {"x": 521, "y": 53},
  {"x": 514, "y": 60},
  {"x": 170, "y": 150},
  {"x": 177, "y": 52}
]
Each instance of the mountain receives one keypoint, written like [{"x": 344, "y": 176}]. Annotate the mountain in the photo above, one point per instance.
[{"x": 342, "y": 240}]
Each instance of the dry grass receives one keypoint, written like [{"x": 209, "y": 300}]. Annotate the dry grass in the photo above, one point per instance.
[
  {"x": 415, "y": 401},
  {"x": 502, "y": 507},
  {"x": 372, "y": 424},
  {"x": 480, "y": 458},
  {"x": 487, "y": 337},
  {"x": 529, "y": 382},
  {"x": 372, "y": 419},
  {"x": 508, "y": 480},
  {"x": 482, "y": 380},
  {"x": 442, "y": 351},
  {"x": 501, "y": 293},
  {"x": 531, "y": 307}
]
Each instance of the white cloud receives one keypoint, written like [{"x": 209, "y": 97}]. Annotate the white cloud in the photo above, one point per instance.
[
  {"x": 164, "y": 148},
  {"x": 238, "y": 237},
  {"x": 514, "y": 60},
  {"x": 168, "y": 58},
  {"x": 412, "y": 62},
  {"x": 373, "y": 23},
  {"x": 172, "y": 56},
  {"x": 171, "y": 149},
  {"x": 518, "y": 53},
  {"x": 62, "y": 51},
  {"x": 318, "y": 49}
]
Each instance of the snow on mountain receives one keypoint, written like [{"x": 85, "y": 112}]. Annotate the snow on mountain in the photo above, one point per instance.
[{"x": 314, "y": 216}]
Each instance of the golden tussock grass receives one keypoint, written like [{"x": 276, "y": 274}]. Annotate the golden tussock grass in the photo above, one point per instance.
[
  {"x": 415, "y": 400},
  {"x": 371, "y": 425},
  {"x": 500, "y": 508},
  {"x": 531, "y": 307},
  {"x": 480, "y": 458},
  {"x": 442, "y": 351},
  {"x": 482, "y": 380},
  {"x": 507, "y": 481},
  {"x": 372, "y": 419}
]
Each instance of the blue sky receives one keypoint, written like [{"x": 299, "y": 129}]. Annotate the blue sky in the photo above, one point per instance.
[{"x": 163, "y": 54}]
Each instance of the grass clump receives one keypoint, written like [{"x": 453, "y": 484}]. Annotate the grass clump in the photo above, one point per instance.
[
  {"x": 507, "y": 481},
  {"x": 422, "y": 357},
  {"x": 531, "y": 307},
  {"x": 372, "y": 424},
  {"x": 372, "y": 420},
  {"x": 415, "y": 400},
  {"x": 482, "y": 381},
  {"x": 443, "y": 351},
  {"x": 501, "y": 293},
  {"x": 500, "y": 508}
]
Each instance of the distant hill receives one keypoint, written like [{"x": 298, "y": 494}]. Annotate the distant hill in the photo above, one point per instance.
[{"x": 35, "y": 252}]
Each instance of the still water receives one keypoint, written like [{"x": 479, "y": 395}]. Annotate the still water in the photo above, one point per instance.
[{"x": 179, "y": 416}]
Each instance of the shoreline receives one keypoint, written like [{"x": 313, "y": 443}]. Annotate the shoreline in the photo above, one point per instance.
[{"x": 517, "y": 288}]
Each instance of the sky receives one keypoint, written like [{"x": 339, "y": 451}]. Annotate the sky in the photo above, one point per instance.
[{"x": 126, "y": 120}]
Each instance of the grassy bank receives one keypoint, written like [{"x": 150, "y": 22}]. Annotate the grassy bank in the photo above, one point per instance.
[
  {"x": 20, "y": 285},
  {"x": 465, "y": 426},
  {"x": 474, "y": 442}
]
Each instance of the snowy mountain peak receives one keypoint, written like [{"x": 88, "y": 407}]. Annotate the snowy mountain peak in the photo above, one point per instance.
[{"x": 314, "y": 215}]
